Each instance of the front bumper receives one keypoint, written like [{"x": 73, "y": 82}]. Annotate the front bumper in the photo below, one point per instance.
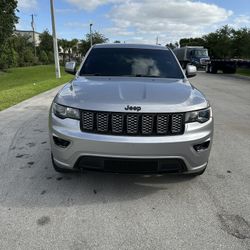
[{"x": 175, "y": 147}]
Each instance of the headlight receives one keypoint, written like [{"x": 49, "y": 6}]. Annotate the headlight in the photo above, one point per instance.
[
  {"x": 65, "y": 112},
  {"x": 199, "y": 116}
]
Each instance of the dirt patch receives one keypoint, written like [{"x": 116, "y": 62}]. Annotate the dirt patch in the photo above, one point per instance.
[
  {"x": 31, "y": 144},
  {"x": 43, "y": 220},
  {"x": 235, "y": 225}
]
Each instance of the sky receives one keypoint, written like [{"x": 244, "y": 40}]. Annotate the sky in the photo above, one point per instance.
[{"x": 135, "y": 21}]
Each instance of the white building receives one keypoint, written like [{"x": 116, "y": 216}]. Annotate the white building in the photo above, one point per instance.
[{"x": 29, "y": 33}]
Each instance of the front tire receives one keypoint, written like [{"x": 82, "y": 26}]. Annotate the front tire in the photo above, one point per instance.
[{"x": 208, "y": 70}]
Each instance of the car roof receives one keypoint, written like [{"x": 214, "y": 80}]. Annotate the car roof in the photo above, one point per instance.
[{"x": 128, "y": 45}]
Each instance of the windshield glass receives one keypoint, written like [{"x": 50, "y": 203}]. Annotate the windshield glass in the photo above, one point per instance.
[
  {"x": 131, "y": 62},
  {"x": 201, "y": 52}
]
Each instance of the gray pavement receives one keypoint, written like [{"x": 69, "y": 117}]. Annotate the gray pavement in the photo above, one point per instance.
[{"x": 41, "y": 209}]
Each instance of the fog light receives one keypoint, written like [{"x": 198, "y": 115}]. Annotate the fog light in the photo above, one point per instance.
[
  {"x": 202, "y": 146},
  {"x": 61, "y": 142}
]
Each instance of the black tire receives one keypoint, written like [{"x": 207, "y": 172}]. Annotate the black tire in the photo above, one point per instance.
[
  {"x": 183, "y": 65},
  {"x": 207, "y": 69},
  {"x": 213, "y": 69},
  {"x": 59, "y": 169}
]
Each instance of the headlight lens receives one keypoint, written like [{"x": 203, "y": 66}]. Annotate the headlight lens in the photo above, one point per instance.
[
  {"x": 200, "y": 116},
  {"x": 65, "y": 112}
]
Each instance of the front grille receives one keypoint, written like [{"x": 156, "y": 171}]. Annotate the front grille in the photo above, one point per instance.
[{"x": 132, "y": 123}]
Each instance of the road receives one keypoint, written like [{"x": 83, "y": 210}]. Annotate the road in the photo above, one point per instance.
[{"x": 41, "y": 209}]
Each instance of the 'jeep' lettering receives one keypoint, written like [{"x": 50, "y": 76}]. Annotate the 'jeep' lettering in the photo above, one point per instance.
[{"x": 133, "y": 108}]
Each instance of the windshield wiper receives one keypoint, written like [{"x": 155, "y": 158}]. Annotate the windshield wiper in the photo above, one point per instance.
[
  {"x": 94, "y": 74},
  {"x": 140, "y": 75},
  {"x": 137, "y": 75}
]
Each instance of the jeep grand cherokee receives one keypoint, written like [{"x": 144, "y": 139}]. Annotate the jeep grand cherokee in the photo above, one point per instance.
[{"x": 130, "y": 108}]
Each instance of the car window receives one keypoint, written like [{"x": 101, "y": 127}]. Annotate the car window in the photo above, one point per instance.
[{"x": 131, "y": 62}]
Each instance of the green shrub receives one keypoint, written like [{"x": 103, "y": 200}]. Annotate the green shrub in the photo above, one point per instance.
[{"x": 43, "y": 57}]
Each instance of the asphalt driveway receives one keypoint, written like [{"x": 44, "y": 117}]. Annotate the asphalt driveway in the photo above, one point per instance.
[{"x": 41, "y": 209}]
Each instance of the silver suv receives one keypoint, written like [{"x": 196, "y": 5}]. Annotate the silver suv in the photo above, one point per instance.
[{"x": 130, "y": 108}]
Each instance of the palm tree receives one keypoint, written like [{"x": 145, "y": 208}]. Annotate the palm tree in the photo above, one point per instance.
[
  {"x": 73, "y": 44},
  {"x": 64, "y": 44}
]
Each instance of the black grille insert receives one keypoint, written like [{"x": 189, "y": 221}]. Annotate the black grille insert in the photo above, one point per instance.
[
  {"x": 129, "y": 165},
  {"x": 144, "y": 124}
]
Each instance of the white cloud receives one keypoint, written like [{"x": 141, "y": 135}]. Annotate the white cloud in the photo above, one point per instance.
[
  {"x": 119, "y": 31},
  {"x": 241, "y": 21},
  {"x": 76, "y": 25},
  {"x": 172, "y": 19},
  {"x": 66, "y": 11},
  {"x": 26, "y": 4},
  {"x": 91, "y": 4},
  {"x": 168, "y": 19}
]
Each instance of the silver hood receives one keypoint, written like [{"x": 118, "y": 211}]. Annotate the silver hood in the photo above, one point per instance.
[{"x": 115, "y": 93}]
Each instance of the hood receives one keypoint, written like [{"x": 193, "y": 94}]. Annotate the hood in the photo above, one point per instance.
[{"x": 116, "y": 93}]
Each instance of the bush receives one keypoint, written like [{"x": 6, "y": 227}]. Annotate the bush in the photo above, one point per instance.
[
  {"x": 28, "y": 56},
  {"x": 51, "y": 57},
  {"x": 8, "y": 58},
  {"x": 43, "y": 57}
]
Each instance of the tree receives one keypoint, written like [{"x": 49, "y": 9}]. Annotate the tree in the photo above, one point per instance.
[
  {"x": 241, "y": 43},
  {"x": 20, "y": 43},
  {"x": 65, "y": 46},
  {"x": 225, "y": 42},
  {"x": 8, "y": 19},
  {"x": 172, "y": 45},
  {"x": 117, "y": 41},
  {"x": 96, "y": 38},
  {"x": 9, "y": 57},
  {"x": 219, "y": 42},
  {"x": 46, "y": 42},
  {"x": 29, "y": 58},
  {"x": 191, "y": 42},
  {"x": 43, "y": 57},
  {"x": 51, "y": 57},
  {"x": 73, "y": 48}
]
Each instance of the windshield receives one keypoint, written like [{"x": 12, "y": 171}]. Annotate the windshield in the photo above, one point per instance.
[
  {"x": 201, "y": 52},
  {"x": 131, "y": 62}
]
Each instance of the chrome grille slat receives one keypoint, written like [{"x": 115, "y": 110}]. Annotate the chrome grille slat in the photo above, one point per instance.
[{"x": 136, "y": 124}]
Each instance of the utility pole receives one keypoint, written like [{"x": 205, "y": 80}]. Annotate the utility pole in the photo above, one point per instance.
[
  {"x": 157, "y": 40},
  {"x": 56, "y": 56},
  {"x": 33, "y": 32},
  {"x": 90, "y": 32}
]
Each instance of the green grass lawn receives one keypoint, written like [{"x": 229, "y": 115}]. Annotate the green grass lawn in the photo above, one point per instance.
[
  {"x": 244, "y": 72},
  {"x": 18, "y": 84}
]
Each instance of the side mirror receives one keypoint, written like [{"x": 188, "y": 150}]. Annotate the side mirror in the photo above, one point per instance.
[
  {"x": 191, "y": 71},
  {"x": 70, "y": 67}
]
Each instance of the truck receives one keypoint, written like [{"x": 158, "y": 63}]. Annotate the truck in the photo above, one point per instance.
[
  {"x": 198, "y": 56},
  {"x": 227, "y": 66},
  {"x": 195, "y": 55}
]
